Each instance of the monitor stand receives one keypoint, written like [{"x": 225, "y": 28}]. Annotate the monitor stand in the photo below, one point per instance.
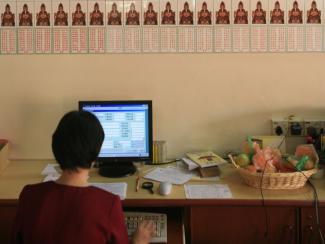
[{"x": 117, "y": 170}]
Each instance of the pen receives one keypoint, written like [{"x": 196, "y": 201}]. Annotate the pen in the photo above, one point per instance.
[{"x": 137, "y": 184}]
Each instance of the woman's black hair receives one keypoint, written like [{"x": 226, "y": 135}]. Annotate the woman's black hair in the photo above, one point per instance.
[{"x": 77, "y": 140}]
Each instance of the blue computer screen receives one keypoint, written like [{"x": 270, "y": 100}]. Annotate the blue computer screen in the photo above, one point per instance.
[{"x": 126, "y": 129}]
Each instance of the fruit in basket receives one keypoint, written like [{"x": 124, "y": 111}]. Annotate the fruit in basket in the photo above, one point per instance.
[
  {"x": 300, "y": 162},
  {"x": 292, "y": 162},
  {"x": 248, "y": 148},
  {"x": 266, "y": 159},
  {"x": 251, "y": 168},
  {"x": 288, "y": 166},
  {"x": 283, "y": 166},
  {"x": 242, "y": 160},
  {"x": 269, "y": 160},
  {"x": 270, "y": 168},
  {"x": 309, "y": 165},
  {"x": 307, "y": 150}
]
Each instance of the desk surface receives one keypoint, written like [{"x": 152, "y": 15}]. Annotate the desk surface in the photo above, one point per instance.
[{"x": 23, "y": 172}]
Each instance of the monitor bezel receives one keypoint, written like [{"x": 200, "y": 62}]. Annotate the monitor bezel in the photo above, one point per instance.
[{"x": 150, "y": 132}]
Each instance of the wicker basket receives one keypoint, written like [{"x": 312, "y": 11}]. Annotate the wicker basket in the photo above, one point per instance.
[
  {"x": 292, "y": 180},
  {"x": 274, "y": 181}
]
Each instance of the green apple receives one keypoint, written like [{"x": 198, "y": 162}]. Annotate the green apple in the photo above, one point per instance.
[{"x": 242, "y": 160}]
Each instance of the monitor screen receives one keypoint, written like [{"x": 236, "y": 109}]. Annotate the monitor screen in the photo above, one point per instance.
[{"x": 127, "y": 127}]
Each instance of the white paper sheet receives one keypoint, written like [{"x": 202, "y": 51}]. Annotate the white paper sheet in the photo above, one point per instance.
[
  {"x": 190, "y": 164},
  {"x": 170, "y": 174},
  {"x": 207, "y": 191},
  {"x": 51, "y": 177},
  {"x": 50, "y": 169},
  {"x": 115, "y": 188}
]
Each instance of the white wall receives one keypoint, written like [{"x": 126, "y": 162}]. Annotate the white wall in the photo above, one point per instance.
[{"x": 209, "y": 101}]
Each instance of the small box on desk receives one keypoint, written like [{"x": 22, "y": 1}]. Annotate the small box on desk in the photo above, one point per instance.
[{"x": 4, "y": 152}]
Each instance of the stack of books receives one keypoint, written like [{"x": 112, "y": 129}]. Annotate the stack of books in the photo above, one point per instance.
[{"x": 207, "y": 163}]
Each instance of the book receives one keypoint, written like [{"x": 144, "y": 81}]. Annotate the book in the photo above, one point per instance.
[
  {"x": 206, "y": 159},
  {"x": 209, "y": 172}
]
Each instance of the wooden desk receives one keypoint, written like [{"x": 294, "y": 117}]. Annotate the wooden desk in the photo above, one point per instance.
[{"x": 242, "y": 218}]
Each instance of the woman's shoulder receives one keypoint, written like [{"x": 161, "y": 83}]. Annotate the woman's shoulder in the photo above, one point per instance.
[
  {"x": 87, "y": 192},
  {"x": 37, "y": 186},
  {"x": 35, "y": 189}
]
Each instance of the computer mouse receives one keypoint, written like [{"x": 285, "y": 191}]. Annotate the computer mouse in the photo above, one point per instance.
[{"x": 165, "y": 188}]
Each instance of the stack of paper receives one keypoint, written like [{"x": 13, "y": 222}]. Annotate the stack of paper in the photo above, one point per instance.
[
  {"x": 214, "y": 191},
  {"x": 50, "y": 172},
  {"x": 170, "y": 174},
  {"x": 115, "y": 188},
  {"x": 50, "y": 169},
  {"x": 190, "y": 164},
  {"x": 51, "y": 177}
]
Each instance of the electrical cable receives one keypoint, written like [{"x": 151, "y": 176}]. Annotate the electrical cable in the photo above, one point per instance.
[
  {"x": 266, "y": 233},
  {"x": 316, "y": 201},
  {"x": 167, "y": 162}
]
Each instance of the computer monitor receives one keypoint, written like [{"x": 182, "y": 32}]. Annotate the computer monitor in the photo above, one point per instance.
[{"x": 128, "y": 134}]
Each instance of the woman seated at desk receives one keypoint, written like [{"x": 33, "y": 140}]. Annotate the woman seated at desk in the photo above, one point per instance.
[{"x": 68, "y": 210}]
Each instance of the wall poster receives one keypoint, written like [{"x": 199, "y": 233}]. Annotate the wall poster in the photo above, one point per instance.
[{"x": 161, "y": 26}]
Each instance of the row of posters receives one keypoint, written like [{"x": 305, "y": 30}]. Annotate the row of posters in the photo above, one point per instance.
[
  {"x": 161, "y": 26},
  {"x": 155, "y": 12},
  {"x": 162, "y": 40}
]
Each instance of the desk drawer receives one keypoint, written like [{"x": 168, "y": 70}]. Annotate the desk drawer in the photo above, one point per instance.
[
  {"x": 7, "y": 216},
  {"x": 230, "y": 225}
]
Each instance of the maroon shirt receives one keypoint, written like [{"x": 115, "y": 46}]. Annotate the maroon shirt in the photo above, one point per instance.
[{"x": 57, "y": 214}]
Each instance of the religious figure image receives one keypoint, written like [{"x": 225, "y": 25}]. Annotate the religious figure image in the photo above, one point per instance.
[
  {"x": 204, "y": 15},
  {"x": 60, "y": 17},
  {"x": 259, "y": 15},
  {"x": 222, "y": 15},
  {"x": 313, "y": 14},
  {"x": 7, "y": 17},
  {"x": 114, "y": 16},
  {"x": 241, "y": 15},
  {"x": 43, "y": 17},
  {"x": 132, "y": 16},
  {"x": 78, "y": 17},
  {"x": 96, "y": 16},
  {"x": 277, "y": 15},
  {"x": 186, "y": 15},
  {"x": 295, "y": 14},
  {"x": 150, "y": 16},
  {"x": 168, "y": 15},
  {"x": 25, "y": 17}
]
